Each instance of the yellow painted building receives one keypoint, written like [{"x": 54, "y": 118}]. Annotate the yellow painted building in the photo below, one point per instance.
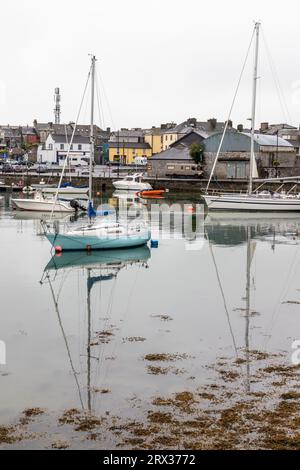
[
  {"x": 126, "y": 152},
  {"x": 155, "y": 139}
]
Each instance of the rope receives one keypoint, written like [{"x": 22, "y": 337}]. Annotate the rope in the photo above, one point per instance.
[
  {"x": 229, "y": 115},
  {"x": 72, "y": 138},
  {"x": 281, "y": 97}
]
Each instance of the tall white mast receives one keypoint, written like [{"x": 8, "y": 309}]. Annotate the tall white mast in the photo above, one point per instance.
[
  {"x": 255, "y": 78},
  {"x": 92, "y": 137}
]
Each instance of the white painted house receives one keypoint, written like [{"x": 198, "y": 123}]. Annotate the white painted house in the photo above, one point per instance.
[{"x": 55, "y": 149}]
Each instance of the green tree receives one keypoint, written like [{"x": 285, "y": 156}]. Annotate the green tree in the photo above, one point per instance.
[{"x": 197, "y": 153}]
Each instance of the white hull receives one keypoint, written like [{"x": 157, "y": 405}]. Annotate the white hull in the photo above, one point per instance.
[
  {"x": 252, "y": 203},
  {"x": 41, "y": 206},
  {"x": 121, "y": 185},
  {"x": 68, "y": 190}
]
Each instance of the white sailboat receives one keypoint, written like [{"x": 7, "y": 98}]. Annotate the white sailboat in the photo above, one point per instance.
[
  {"x": 251, "y": 201},
  {"x": 101, "y": 235},
  {"x": 67, "y": 190}
]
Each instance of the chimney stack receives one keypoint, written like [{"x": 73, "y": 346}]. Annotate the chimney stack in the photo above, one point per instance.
[{"x": 264, "y": 126}]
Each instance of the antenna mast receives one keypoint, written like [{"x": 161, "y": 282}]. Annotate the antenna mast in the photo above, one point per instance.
[{"x": 57, "y": 105}]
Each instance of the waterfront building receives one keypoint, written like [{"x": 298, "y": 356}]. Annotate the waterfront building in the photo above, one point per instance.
[
  {"x": 135, "y": 135},
  {"x": 55, "y": 149},
  {"x": 126, "y": 153},
  {"x": 155, "y": 136},
  {"x": 15, "y": 136},
  {"x": 207, "y": 128},
  {"x": 176, "y": 161},
  {"x": 274, "y": 155},
  {"x": 286, "y": 131}
]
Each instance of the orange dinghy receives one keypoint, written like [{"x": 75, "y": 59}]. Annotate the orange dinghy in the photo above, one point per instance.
[{"x": 151, "y": 193}]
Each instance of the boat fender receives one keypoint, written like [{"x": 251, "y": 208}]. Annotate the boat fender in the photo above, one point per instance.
[
  {"x": 58, "y": 249},
  {"x": 154, "y": 243},
  {"x": 88, "y": 248},
  {"x": 191, "y": 210}
]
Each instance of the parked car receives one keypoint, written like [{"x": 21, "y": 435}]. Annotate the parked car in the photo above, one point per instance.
[
  {"x": 18, "y": 168},
  {"x": 7, "y": 168},
  {"x": 41, "y": 169}
]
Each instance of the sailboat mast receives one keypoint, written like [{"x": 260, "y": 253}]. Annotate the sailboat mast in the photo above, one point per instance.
[
  {"x": 92, "y": 137},
  {"x": 248, "y": 307},
  {"x": 255, "y": 78}
]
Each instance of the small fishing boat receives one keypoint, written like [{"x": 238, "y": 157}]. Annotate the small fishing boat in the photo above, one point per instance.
[
  {"x": 42, "y": 185},
  {"x": 41, "y": 204},
  {"x": 66, "y": 189},
  {"x": 132, "y": 183},
  {"x": 152, "y": 193}
]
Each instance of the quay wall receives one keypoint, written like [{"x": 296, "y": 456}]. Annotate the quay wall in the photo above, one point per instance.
[{"x": 102, "y": 184}]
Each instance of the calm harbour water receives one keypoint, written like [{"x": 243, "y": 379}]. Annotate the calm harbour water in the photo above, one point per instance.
[{"x": 172, "y": 300}]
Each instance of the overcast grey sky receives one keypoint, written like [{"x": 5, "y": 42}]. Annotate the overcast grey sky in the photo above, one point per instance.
[{"x": 160, "y": 60}]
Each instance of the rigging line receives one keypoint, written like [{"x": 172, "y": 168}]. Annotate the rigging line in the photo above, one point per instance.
[
  {"x": 107, "y": 102},
  {"x": 67, "y": 142},
  {"x": 66, "y": 342},
  {"x": 71, "y": 141},
  {"x": 224, "y": 299},
  {"x": 281, "y": 96},
  {"x": 281, "y": 297},
  {"x": 231, "y": 109},
  {"x": 100, "y": 107},
  {"x": 116, "y": 345}
]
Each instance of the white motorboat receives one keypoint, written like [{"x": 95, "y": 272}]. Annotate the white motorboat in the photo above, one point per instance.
[
  {"x": 132, "y": 183},
  {"x": 41, "y": 204}
]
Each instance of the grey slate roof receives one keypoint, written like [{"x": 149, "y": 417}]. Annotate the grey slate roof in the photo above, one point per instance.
[
  {"x": 129, "y": 145},
  {"x": 269, "y": 140},
  {"x": 78, "y": 139},
  {"x": 174, "y": 153}
]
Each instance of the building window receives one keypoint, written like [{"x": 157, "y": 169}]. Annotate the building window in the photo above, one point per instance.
[
  {"x": 171, "y": 137},
  {"x": 166, "y": 137},
  {"x": 50, "y": 146},
  {"x": 62, "y": 146},
  {"x": 71, "y": 147},
  {"x": 79, "y": 147}
]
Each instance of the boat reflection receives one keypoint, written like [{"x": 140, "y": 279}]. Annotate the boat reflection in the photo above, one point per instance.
[
  {"x": 233, "y": 229},
  {"x": 99, "y": 259},
  {"x": 32, "y": 215},
  {"x": 101, "y": 266}
]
